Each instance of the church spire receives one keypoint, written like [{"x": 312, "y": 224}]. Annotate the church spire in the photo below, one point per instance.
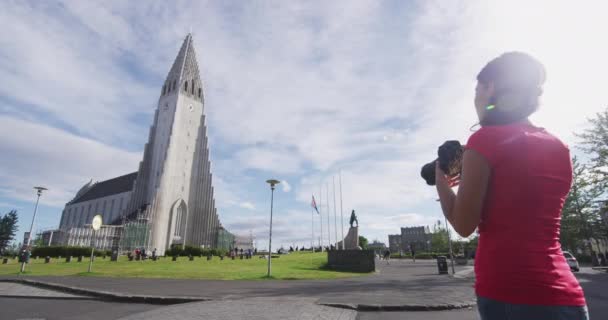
[{"x": 184, "y": 74}]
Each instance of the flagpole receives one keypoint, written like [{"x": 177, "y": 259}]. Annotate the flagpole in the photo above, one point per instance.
[
  {"x": 320, "y": 214},
  {"x": 328, "y": 215},
  {"x": 312, "y": 227},
  {"x": 333, "y": 178},
  {"x": 341, "y": 212}
]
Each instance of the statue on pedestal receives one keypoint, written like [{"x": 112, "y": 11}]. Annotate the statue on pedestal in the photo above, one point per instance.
[{"x": 353, "y": 219}]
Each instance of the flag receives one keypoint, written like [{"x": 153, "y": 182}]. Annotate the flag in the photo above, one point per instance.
[{"x": 314, "y": 204}]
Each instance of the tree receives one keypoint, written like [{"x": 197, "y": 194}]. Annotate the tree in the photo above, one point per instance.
[
  {"x": 594, "y": 141},
  {"x": 580, "y": 216},
  {"x": 439, "y": 238},
  {"x": 363, "y": 242},
  {"x": 8, "y": 228}
]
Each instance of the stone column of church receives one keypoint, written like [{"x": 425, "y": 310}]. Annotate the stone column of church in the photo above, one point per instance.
[
  {"x": 193, "y": 205},
  {"x": 216, "y": 222},
  {"x": 202, "y": 195},
  {"x": 61, "y": 222},
  {"x": 200, "y": 183},
  {"x": 211, "y": 213},
  {"x": 206, "y": 186},
  {"x": 208, "y": 195},
  {"x": 215, "y": 228}
]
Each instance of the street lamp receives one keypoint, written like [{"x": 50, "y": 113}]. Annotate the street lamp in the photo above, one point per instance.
[
  {"x": 272, "y": 183},
  {"x": 29, "y": 238}
]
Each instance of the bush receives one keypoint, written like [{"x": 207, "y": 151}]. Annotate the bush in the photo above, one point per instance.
[
  {"x": 422, "y": 255},
  {"x": 64, "y": 251},
  {"x": 583, "y": 258},
  {"x": 194, "y": 251}
]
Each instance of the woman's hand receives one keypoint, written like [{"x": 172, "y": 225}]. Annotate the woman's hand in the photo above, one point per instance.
[
  {"x": 463, "y": 211},
  {"x": 441, "y": 177}
]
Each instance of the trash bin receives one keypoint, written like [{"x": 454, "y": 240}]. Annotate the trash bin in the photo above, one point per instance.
[{"x": 442, "y": 264}]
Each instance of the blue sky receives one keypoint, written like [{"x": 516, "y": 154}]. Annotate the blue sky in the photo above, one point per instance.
[{"x": 297, "y": 91}]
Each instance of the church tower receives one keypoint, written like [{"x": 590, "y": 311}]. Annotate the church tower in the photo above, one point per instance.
[{"x": 172, "y": 201}]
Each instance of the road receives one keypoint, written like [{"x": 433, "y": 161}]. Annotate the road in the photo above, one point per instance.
[{"x": 594, "y": 284}]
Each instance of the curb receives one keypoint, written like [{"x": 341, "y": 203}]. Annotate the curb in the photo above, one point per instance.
[
  {"x": 405, "y": 307},
  {"x": 104, "y": 295},
  {"x": 14, "y": 296}
]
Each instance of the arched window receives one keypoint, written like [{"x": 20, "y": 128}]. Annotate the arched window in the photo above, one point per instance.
[
  {"x": 192, "y": 88},
  {"x": 199, "y": 92},
  {"x": 186, "y": 86},
  {"x": 164, "y": 88},
  {"x": 173, "y": 88}
]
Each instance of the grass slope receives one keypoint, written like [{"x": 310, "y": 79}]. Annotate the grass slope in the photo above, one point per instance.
[{"x": 295, "y": 266}]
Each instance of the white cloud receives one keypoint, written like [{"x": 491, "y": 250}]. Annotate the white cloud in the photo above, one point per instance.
[
  {"x": 285, "y": 185},
  {"x": 247, "y": 205},
  {"x": 40, "y": 155},
  {"x": 268, "y": 159}
]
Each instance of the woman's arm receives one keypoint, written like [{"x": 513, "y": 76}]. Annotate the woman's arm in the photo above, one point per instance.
[{"x": 463, "y": 210}]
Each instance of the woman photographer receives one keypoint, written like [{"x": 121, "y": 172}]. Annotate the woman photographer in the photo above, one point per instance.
[{"x": 514, "y": 181}]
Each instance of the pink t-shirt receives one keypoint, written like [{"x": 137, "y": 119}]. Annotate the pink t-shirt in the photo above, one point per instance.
[{"x": 519, "y": 258}]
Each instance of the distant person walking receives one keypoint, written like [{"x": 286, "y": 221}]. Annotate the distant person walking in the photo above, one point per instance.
[
  {"x": 514, "y": 181},
  {"x": 413, "y": 252},
  {"x": 387, "y": 256}
]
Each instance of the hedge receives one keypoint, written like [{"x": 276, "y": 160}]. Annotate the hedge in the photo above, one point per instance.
[
  {"x": 194, "y": 251},
  {"x": 64, "y": 251},
  {"x": 421, "y": 256}
]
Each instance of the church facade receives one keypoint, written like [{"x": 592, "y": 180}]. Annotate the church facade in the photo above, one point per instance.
[{"x": 170, "y": 199}]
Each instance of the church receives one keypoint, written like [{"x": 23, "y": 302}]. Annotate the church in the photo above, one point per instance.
[{"x": 169, "y": 200}]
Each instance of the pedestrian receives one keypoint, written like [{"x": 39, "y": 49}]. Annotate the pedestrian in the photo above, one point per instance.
[
  {"x": 154, "y": 254},
  {"x": 387, "y": 256},
  {"x": 514, "y": 180},
  {"x": 413, "y": 252}
]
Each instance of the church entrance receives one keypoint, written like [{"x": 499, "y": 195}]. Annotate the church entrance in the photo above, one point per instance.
[{"x": 177, "y": 227}]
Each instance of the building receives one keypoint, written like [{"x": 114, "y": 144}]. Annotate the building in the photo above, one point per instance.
[
  {"x": 377, "y": 246},
  {"x": 394, "y": 243},
  {"x": 417, "y": 237},
  {"x": 243, "y": 242},
  {"x": 170, "y": 199},
  {"x": 108, "y": 198}
]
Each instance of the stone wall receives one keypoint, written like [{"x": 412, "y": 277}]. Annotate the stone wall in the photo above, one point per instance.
[{"x": 351, "y": 260}]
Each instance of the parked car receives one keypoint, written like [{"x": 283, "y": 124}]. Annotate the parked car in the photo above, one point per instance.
[{"x": 571, "y": 261}]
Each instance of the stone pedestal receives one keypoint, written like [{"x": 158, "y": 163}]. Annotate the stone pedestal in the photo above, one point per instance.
[
  {"x": 351, "y": 241},
  {"x": 352, "y": 260}
]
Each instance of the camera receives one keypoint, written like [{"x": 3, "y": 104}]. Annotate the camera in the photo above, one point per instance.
[{"x": 450, "y": 161}]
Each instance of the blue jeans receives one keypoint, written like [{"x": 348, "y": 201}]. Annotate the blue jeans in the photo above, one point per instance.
[{"x": 495, "y": 310}]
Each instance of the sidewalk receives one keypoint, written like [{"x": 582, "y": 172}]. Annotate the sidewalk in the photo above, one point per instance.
[{"x": 402, "y": 285}]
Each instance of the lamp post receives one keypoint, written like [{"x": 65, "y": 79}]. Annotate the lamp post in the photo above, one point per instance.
[
  {"x": 272, "y": 183},
  {"x": 447, "y": 229},
  {"x": 29, "y": 238}
]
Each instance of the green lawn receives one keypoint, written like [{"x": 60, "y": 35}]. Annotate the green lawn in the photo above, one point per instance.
[{"x": 295, "y": 266}]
